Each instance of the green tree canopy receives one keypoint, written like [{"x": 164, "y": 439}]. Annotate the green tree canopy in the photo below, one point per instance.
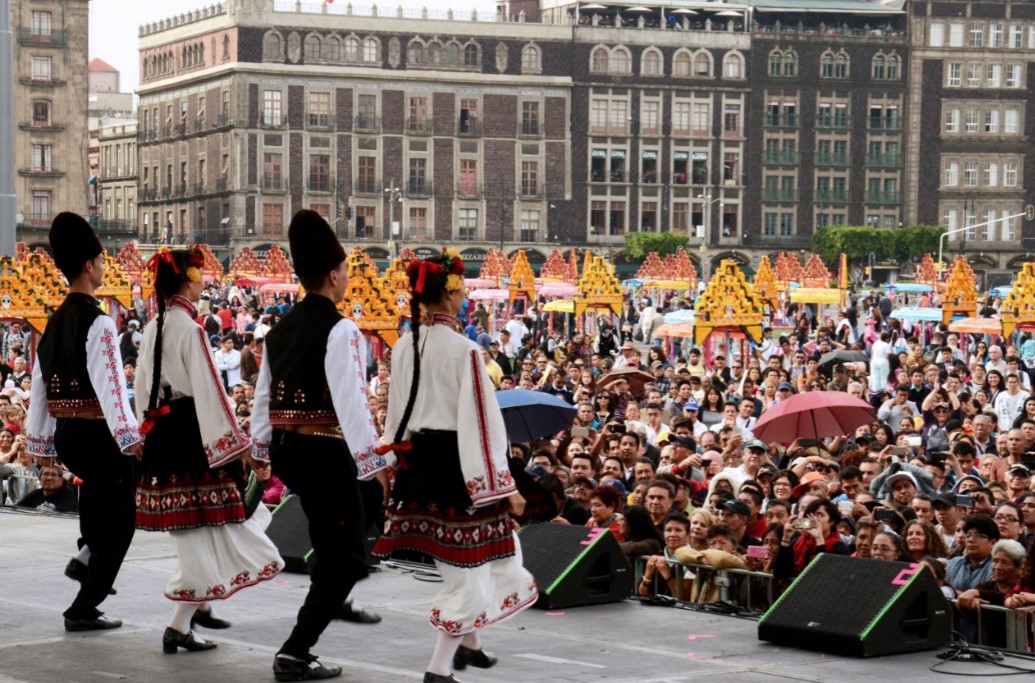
[
  {"x": 858, "y": 242},
  {"x": 639, "y": 244}
]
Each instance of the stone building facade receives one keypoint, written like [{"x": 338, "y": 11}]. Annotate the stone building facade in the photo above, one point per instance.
[{"x": 117, "y": 180}]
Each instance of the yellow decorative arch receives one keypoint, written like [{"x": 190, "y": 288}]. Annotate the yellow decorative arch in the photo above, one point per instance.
[
  {"x": 522, "y": 279},
  {"x": 1019, "y": 305},
  {"x": 366, "y": 301},
  {"x": 728, "y": 301},
  {"x": 19, "y": 299},
  {"x": 960, "y": 291},
  {"x": 765, "y": 282},
  {"x": 598, "y": 287}
]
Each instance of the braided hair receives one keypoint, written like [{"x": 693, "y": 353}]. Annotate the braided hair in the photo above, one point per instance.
[
  {"x": 171, "y": 269},
  {"x": 429, "y": 281}
]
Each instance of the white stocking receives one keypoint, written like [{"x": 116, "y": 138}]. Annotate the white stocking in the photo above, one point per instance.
[
  {"x": 181, "y": 617},
  {"x": 442, "y": 659}
]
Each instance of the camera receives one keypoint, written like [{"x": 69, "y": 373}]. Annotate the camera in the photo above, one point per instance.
[{"x": 803, "y": 524}]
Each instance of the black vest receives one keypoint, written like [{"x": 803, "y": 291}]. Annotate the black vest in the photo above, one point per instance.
[
  {"x": 62, "y": 355},
  {"x": 296, "y": 349}
]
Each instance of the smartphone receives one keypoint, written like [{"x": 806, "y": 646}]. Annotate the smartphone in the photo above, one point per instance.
[
  {"x": 618, "y": 429},
  {"x": 580, "y": 432},
  {"x": 964, "y": 500},
  {"x": 900, "y": 451},
  {"x": 884, "y": 515},
  {"x": 1028, "y": 460},
  {"x": 803, "y": 524},
  {"x": 758, "y": 552},
  {"x": 914, "y": 440},
  {"x": 845, "y": 507}
]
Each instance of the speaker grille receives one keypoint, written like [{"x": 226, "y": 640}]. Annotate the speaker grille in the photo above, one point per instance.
[
  {"x": 548, "y": 550},
  {"x": 833, "y": 615},
  {"x": 289, "y": 531}
]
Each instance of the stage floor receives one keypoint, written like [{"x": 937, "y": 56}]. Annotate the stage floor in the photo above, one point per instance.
[{"x": 623, "y": 642}]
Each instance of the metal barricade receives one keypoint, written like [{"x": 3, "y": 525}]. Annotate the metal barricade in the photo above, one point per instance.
[
  {"x": 738, "y": 591},
  {"x": 1007, "y": 629}
]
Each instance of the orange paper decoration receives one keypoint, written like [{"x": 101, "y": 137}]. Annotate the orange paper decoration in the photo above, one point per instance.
[{"x": 960, "y": 291}]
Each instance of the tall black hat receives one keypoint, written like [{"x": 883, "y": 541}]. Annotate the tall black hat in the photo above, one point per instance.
[
  {"x": 73, "y": 242},
  {"x": 314, "y": 248}
]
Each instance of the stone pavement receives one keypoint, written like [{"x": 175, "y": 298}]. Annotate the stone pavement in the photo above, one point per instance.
[{"x": 618, "y": 643}]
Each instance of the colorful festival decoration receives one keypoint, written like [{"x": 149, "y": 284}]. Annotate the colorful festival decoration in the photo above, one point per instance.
[
  {"x": 1019, "y": 304},
  {"x": 960, "y": 291},
  {"x": 132, "y": 262},
  {"x": 496, "y": 265},
  {"x": 926, "y": 273},
  {"x": 367, "y": 302},
  {"x": 728, "y": 301},
  {"x": 245, "y": 264},
  {"x": 407, "y": 254},
  {"x": 573, "y": 267},
  {"x": 555, "y": 267},
  {"x": 522, "y": 279},
  {"x": 765, "y": 282},
  {"x": 115, "y": 287},
  {"x": 652, "y": 268},
  {"x": 397, "y": 284},
  {"x": 815, "y": 273},
  {"x": 276, "y": 266},
  {"x": 19, "y": 297},
  {"x": 788, "y": 270},
  {"x": 598, "y": 287},
  {"x": 212, "y": 269}
]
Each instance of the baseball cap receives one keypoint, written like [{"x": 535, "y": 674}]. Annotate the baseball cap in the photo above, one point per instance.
[
  {"x": 766, "y": 470},
  {"x": 785, "y": 386},
  {"x": 737, "y": 507},
  {"x": 901, "y": 476},
  {"x": 1019, "y": 469},
  {"x": 684, "y": 441},
  {"x": 755, "y": 443},
  {"x": 691, "y": 405},
  {"x": 946, "y": 499},
  {"x": 806, "y": 481}
]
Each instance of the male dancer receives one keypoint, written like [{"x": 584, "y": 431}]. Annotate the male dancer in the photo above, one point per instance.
[
  {"x": 312, "y": 421},
  {"x": 79, "y": 412}
]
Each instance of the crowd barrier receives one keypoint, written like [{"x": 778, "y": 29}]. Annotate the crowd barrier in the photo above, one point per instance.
[
  {"x": 732, "y": 591},
  {"x": 1001, "y": 628}
]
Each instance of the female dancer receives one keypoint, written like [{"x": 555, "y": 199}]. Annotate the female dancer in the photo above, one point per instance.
[
  {"x": 192, "y": 476},
  {"x": 454, "y": 488}
]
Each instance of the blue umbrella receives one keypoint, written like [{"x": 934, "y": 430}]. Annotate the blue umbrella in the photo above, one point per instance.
[
  {"x": 908, "y": 287},
  {"x": 531, "y": 415},
  {"x": 1002, "y": 292},
  {"x": 917, "y": 313},
  {"x": 686, "y": 315}
]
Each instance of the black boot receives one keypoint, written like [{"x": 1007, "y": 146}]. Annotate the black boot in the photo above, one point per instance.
[
  {"x": 438, "y": 678},
  {"x": 206, "y": 620},
  {"x": 291, "y": 669},
  {"x": 173, "y": 640},
  {"x": 477, "y": 658}
]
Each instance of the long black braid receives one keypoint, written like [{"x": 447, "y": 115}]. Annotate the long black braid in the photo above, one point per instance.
[
  {"x": 152, "y": 401},
  {"x": 415, "y": 382},
  {"x": 167, "y": 281}
]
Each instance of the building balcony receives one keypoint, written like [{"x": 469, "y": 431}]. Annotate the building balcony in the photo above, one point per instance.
[
  {"x": 43, "y": 82},
  {"x": 681, "y": 132},
  {"x": 30, "y": 37},
  {"x": 534, "y": 129},
  {"x": 367, "y": 186},
  {"x": 531, "y": 191},
  {"x": 781, "y": 158},
  {"x": 419, "y": 188},
  {"x": 779, "y": 195},
  {"x": 366, "y": 124},
  {"x": 272, "y": 182},
  {"x": 884, "y": 160},
  {"x": 38, "y": 220},
  {"x": 113, "y": 226},
  {"x": 469, "y": 190},
  {"x": 213, "y": 237},
  {"x": 834, "y": 122},
  {"x": 832, "y": 159},
  {"x": 883, "y": 198},
  {"x": 179, "y": 191},
  {"x": 418, "y": 234},
  {"x": 41, "y": 172},
  {"x": 147, "y": 194},
  {"x": 319, "y": 184},
  {"x": 199, "y": 189},
  {"x": 777, "y": 241},
  {"x": 272, "y": 122},
  {"x": 830, "y": 197},
  {"x": 180, "y": 129},
  {"x": 467, "y": 235},
  {"x": 367, "y": 233},
  {"x": 469, "y": 128},
  {"x": 318, "y": 122},
  {"x": 781, "y": 121},
  {"x": 609, "y": 130},
  {"x": 148, "y": 135},
  {"x": 881, "y": 123},
  {"x": 35, "y": 127},
  {"x": 419, "y": 126}
]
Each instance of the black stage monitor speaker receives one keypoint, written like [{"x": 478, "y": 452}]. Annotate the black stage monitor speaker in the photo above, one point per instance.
[
  {"x": 289, "y": 531},
  {"x": 574, "y": 565},
  {"x": 861, "y": 608}
]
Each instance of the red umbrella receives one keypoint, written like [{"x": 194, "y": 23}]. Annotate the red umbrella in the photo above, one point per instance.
[{"x": 814, "y": 415}]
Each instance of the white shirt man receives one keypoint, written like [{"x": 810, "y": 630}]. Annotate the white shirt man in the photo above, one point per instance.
[
  {"x": 517, "y": 331},
  {"x": 1008, "y": 405},
  {"x": 228, "y": 362}
]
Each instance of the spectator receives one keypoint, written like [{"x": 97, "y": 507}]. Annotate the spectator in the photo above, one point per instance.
[
  {"x": 659, "y": 574},
  {"x": 639, "y": 536},
  {"x": 53, "y": 495},
  {"x": 974, "y": 566},
  {"x": 922, "y": 539},
  {"x": 886, "y": 546},
  {"x": 604, "y": 505},
  {"x": 817, "y": 536}
]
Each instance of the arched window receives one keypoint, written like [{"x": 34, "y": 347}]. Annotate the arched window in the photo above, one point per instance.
[
  {"x": 434, "y": 53},
  {"x": 600, "y": 61},
  {"x": 775, "y": 63},
  {"x": 841, "y": 66},
  {"x": 452, "y": 54},
  {"x": 651, "y": 63},
  {"x": 272, "y": 47},
  {"x": 878, "y": 67},
  {"x": 702, "y": 63},
  {"x": 733, "y": 65},
  {"x": 681, "y": 64},
  {"x": 312, "y": 48},
  {"x": 790, "y": 63},
  {"x": 530, "y": 60},
  {"x": 351, "y": 49},
  {"x": 415, "y": 53},
  {"x": 893, "y": 67},
  {"x": 826, "y": 65},
  {"x": 472, "y": 55},
  {"x": 371, "y": 50},
  {"x": 332, "y": 49},
  {"x": 621, "y": 61},
  {"x": 226, "y": 46}
]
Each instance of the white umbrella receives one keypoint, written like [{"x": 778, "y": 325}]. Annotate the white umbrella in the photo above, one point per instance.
[
  {"x": 639, "y": 9},
  {"x": 593, "y": 5},
  {"x": 727, "y": 13},
  {"x": 683, "y": 10}
]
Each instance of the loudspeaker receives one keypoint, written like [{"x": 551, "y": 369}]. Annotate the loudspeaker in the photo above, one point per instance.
[
  {"x": 289, "y": 531},
  {"x": 861, "y": 608},
  {"x": 574, "y": 565}
]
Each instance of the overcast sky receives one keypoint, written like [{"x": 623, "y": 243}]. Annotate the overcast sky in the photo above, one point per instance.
[{"x": 114, "y": 25}]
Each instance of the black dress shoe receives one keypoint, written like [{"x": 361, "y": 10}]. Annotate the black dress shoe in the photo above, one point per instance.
[
  {"x": 478, "y": 658},
  {"x": 206, "y": 620},
  {"x": 346, "y": 613},
  {"x": 173, "y": 640},
  {"x": 98, "y": 623},
  {"x": 287, "y": 669},
  {"x": 439, "y": 678},
  {"x": 77, "y": 571}
]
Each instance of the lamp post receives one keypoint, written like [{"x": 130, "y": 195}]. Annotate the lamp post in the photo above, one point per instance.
[
  {"x": 7, "y": 200},
  {"x": 394, "y": 195},
  {"x": 708, "y": 213}
]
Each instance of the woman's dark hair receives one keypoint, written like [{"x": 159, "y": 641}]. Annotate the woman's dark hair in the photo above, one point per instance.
[
  {"x": 608, "y": 495},
  {"x": 829, "y": 506},
  {"x": 776, "y": 528},
  {"x": 995, "y": 372},
  {"x": 641, "y": 528},
  {"x": 169, "y": 278},
  {"x": 895, "y": 539}
]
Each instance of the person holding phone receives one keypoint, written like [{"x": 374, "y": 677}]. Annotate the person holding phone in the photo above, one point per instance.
[{"x": 807, "y": 535}]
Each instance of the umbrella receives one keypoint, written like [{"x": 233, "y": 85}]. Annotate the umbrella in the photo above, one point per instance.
[
  {"x": 636, "y": 378},
  {"x": 560, "y": 306},
  {"x": 683, "y": 315},
  {"x": 531, "y": 415},
  {"x": 814, "y": 415},
  {"x": 1002, "y": 291},
  {"x": 639, "y": 9},
  {"x": 594, "y": 5},
  {"x": 683, "y": 10},
  {"x": 684, "y": 330},
  {"x": 476, "y": 282},
  {"x": 908, "y": 287},
  {"x": 559, "y": 289},
  {"x": 727, "y": 13},
  {"x": 479, "y": 294},
  {"x": 917, "y": 313},
  {"x": 842, "y": 357},
  {"x": 977, "y": 326}
]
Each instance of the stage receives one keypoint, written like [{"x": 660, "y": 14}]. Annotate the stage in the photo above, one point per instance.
[{"x": 618, "y": 643}]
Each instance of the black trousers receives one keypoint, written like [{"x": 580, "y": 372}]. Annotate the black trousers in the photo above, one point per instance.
[
  {"x": 322, "y": 473},
  {"x": 107, "y": 510}
]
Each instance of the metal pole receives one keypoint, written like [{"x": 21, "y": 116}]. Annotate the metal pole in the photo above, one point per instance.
[
  {"x": 941, "y": 240},
  {"x": 7, "y": 200}
]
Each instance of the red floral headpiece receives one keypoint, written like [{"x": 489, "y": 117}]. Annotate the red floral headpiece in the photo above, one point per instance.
[
  {"x": 447, "y": 266},
  {"x": 195, "y": 262}
]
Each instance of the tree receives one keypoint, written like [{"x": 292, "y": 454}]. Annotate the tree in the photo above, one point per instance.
[
  {"x": 639, "y": 244},
  {"x": 904, "y": 245},
  {"x": 912, "y": 242}
]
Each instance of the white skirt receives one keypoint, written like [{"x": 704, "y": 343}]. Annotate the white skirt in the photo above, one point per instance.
[
  {"x": 218, "y": 561},
  {"x": 475, "y": 597}
]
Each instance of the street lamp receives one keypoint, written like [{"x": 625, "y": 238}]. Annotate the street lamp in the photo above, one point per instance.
[
  {"x": 708, "y": 213},
  {"x": 394, "y": 195}
]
